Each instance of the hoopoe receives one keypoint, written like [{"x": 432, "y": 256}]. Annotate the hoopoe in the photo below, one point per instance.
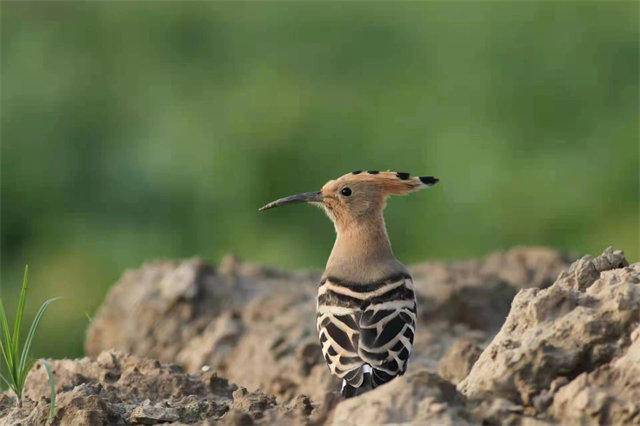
[{"x": 366, "y": 307}]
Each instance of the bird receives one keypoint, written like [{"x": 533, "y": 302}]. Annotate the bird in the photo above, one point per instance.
[{"x": 366, "y": 305}]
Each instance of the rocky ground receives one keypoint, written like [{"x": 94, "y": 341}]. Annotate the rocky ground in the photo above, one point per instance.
[{"x": 519, "y": 337}]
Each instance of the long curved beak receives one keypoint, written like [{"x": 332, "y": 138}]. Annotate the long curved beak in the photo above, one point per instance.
[{"x": 305, "y": 197}]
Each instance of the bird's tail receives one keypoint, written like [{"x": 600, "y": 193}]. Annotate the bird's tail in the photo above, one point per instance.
[{"x": 349, "y": 391}]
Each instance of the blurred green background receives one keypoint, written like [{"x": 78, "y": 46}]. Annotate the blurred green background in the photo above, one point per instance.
[{"x": 141, "y": 130}]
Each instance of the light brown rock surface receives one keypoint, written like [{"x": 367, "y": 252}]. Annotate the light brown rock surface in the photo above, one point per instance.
[
  {"x": 419, "y": 397},
  {"x": 256, "y": 326},
  {"x": 456, "y": 364},
  {"x": 608, "y": 395},
  {"x": 125, "y": 389},
  {"x": 573, "y": 345},
  {"x": 568, "y": 351}
]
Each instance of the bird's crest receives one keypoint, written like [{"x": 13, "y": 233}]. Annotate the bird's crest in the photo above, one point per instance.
[{"x": 389, "y": 182}]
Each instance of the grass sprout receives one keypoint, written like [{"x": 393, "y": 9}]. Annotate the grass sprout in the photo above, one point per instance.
[
  {"x": 52, "y": 386},
  {"x": 16, "y": 354}
]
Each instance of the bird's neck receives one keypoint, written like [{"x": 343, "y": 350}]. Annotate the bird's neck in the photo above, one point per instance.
[{"x": 362, "y": 252}]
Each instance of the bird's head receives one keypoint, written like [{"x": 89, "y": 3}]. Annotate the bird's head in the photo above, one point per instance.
[{"x": 359, "y": 195}]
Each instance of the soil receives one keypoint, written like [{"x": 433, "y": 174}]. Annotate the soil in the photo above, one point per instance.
[{"x": 518, "y": 337}]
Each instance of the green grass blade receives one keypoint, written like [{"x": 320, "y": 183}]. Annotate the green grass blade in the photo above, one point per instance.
[
  {"x": 4, "y": 345},
  {"x": 52, "y": 386},
  {"x": 7, "y": 341},
  {"x": 6, "y": 348},
  {"x": 15, "y": 357},
  {"x": 20, "y": 311},
  {"x": 4, "y": 379},
  {"x": 9, "y": 382},
  {"x": 22, "y": 366}
]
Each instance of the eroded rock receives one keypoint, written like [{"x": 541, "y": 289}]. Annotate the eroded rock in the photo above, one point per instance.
[
  {"x": 125, "y": 389},
  {"x": 568, "y": 352},
  {"x": 478, "y": 293},
  {"x": 571, "y": 345},
  {"x": 608, "y": 395},
  {"x": 256, "y": 325},
  {"x": 416, "y": 398},
  {"x": 459, "y": 359}
]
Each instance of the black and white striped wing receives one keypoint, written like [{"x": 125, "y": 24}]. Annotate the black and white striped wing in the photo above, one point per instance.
[
  {"x": 367, "y": 324},
  {"x": 387, "y": 330},
  {"x": 339, "y": 337}
]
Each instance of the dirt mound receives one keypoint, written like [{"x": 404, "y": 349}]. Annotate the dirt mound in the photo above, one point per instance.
[
  {"x": 573, "y": 347},
  {"x": 256, "y": 326},
  {"x": 456, "y": 364},
  {"x": 569, "y": 350},
  {"x": 120, "y": 389},
  {"x": 420, "y": 397}
]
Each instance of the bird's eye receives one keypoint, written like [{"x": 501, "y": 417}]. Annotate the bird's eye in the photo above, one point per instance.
[{"x": 346, "y": 191}]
